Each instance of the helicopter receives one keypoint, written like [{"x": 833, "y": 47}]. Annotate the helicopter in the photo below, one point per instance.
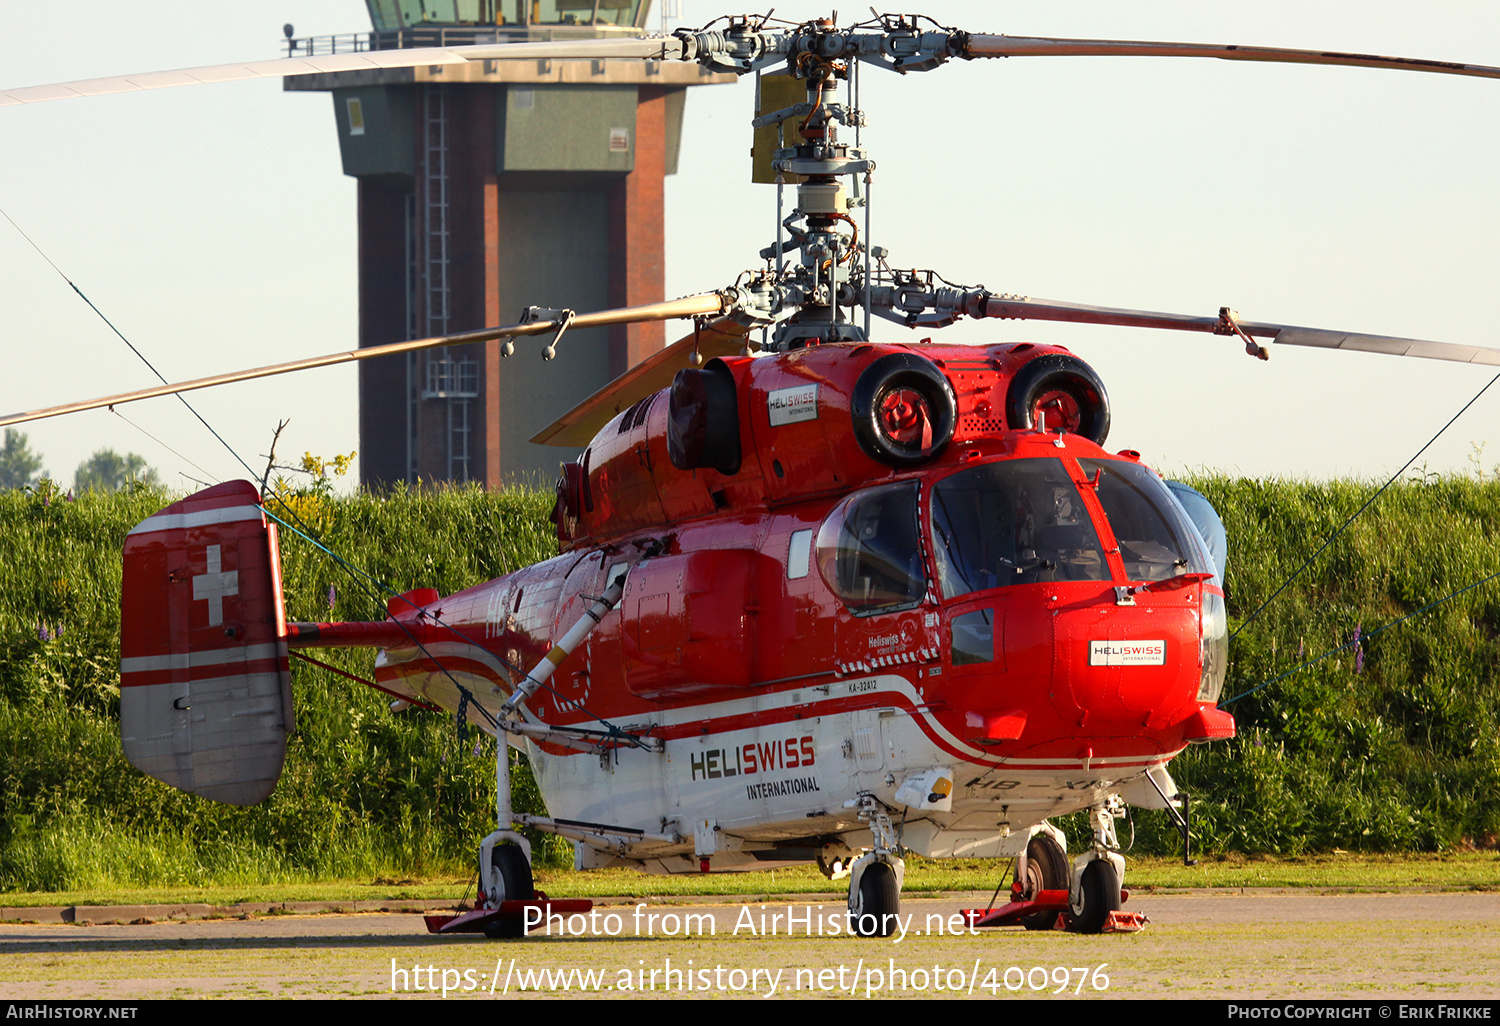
[{"x": 902, "y": 584}]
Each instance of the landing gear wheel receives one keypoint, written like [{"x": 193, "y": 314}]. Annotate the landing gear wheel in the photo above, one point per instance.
[
  {"x": 879, "y": 902},
  {"x": 1046, "y": 870},
  {"x": 1099, "y": 895},
  {"x": 514, "y": 874}
]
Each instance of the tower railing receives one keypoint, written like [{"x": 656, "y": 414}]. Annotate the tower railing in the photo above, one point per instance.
[{"x": 445, "y": 35}]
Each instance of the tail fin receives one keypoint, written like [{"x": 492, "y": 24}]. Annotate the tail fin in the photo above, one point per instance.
[{"x": 205, "y": 687}]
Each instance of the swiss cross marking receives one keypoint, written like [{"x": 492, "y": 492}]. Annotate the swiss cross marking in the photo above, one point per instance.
[{"x": 214, "y": 585}]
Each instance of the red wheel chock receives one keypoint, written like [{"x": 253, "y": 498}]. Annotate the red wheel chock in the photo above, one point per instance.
[
  {"x": 1052, "y": 901},
  {"x": 481, "y": 919}
]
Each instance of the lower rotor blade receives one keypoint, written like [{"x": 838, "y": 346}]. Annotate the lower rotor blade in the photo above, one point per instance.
[
  {"x": 578, "y": 426},
  {"x": 706, "y": 304},
  {"x": 1022, "y": 46},
  {"x": 1321, "y": 339},
  {"x": 1282, "y": 334},
  {"x": 1046, "y": 310}
]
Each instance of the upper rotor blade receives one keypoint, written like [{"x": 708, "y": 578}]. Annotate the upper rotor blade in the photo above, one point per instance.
[
  {"x": 365, "y": 60},
  {"x": 1283, "y": 334},
  {"x": 578, "y": 426},
  {"x": 707, "y": 303},
  {"x": 1023, "y": 46}
]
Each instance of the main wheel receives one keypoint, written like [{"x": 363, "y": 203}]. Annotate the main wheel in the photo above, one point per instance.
[
  {"x": 514, "y": 874},
  {"x": 1099, "y": 895},
  {"x": 1046, "y": 870},
  {"x": 879, "y": 901}
]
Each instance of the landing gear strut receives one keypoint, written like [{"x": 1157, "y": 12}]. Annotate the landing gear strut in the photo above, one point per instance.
[
  {"x": 875, "y": 877},
  {"x": 504, "y": 856},
  {"x": 1098, "y": 872}
]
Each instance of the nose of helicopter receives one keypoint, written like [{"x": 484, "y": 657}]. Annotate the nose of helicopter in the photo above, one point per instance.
[
  {"x": 1125, "y": 668},
  {"x": 1087, "y": 666}
]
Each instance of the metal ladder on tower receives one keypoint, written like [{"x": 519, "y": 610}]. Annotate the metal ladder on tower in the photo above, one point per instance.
[{"x": 447, "y": 376}]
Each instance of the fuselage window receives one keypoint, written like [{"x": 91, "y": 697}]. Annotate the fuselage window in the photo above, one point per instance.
[
  {"x": 974, "y": 637},
  {"x": 799, "y": 555}
]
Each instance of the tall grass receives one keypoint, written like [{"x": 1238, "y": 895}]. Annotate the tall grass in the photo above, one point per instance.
[
  {"x": 365, "y": 792},
  {"x": 1398, "y": 753},
  {"x": 1390, "y": 746}
]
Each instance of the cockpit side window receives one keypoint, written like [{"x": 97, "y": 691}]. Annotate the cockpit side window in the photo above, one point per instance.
[
  {"x": 869, "y": 551},
  {"x": 1156, "y": 539},
  {"x": 1013, "y": 522}
]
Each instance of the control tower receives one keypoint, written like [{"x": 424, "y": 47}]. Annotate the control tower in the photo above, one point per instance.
[{"x": 486, "y": 188}]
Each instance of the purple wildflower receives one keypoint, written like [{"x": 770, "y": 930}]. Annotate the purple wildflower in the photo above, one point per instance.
[
  {"x": 1359, "y": 652},
  {"x": 332, "y": 595},
  {"x": 58, "y": 632},
  {"x": 41, "y": 632}
]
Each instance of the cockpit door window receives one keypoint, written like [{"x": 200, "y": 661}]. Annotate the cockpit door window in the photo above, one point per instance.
[{"x": 869, "y": 549}]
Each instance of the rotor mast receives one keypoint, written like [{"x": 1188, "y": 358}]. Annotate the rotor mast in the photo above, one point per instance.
[{"x": 833, "y": 264}]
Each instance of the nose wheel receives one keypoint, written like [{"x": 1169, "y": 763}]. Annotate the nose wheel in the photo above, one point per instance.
[
  {"x": 510, "y": 880},
  {"x": 1098, "y": 896},
  {"x": 876, "y": 903},
  {"x": 1095, "y": 895},
  {"x": 1045, "y": 869},
  {"x": 875, "y": 877}
]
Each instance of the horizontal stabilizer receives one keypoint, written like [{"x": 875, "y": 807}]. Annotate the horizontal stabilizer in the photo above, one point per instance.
[{"x": 205, "y": 687}]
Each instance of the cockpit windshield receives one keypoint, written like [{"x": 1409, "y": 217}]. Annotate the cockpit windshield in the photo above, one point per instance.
[
  {"x": 1157, "y": 541},
  {"x": 1013, "y": 522}
]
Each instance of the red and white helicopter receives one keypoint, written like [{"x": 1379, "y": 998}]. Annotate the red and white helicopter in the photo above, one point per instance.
[{"x": 829, "y": 603}]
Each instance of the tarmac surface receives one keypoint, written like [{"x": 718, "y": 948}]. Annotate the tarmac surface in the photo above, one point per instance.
[{"x": 1218, "y": 945}]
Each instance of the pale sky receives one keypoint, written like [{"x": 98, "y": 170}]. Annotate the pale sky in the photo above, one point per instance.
[{"x": 213, "y": 224}]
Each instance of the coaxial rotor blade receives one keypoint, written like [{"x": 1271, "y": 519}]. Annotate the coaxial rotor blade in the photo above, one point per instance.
[
  {"x": 365, "y": 60},
  {"x": 1282, "y": 334},
  {"x": 1023, "y": 46},
  {"x": 1318, "y": 338},
  {"x": 706, "y": 304},
  {"x": 578, "y": 426}
]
